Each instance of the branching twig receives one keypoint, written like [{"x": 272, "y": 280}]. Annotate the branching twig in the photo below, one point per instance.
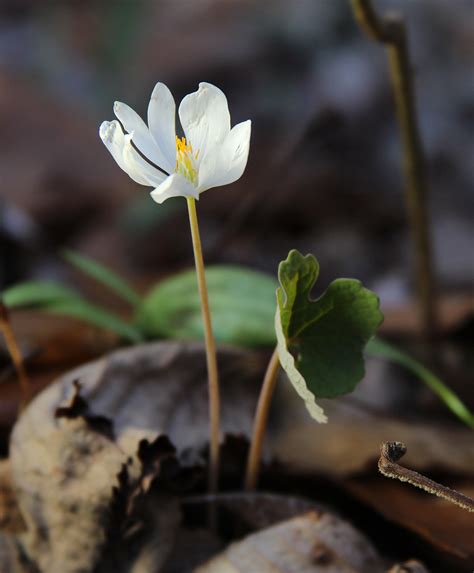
[
  {"x": 390, "y": 31},
  {"x": 391, "y": 452}
]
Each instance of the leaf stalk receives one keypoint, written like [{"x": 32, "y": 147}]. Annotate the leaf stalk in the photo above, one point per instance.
[
  {"x": 260, "y": 422},
  {"x": 15, "y": 353}
]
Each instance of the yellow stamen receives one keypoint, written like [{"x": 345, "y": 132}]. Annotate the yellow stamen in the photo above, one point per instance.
[{"x": 186, "y": 160}]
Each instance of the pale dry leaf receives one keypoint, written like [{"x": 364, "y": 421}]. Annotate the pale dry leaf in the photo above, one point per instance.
[
  {"x": 151, "y": 389},
  {"x": 310, "y": 543},
  {"x": 77, "y": 491},
  {"x": 64, "y": 468},
  {"x": 411, "y": 566},
  {"x": 240, "y": 512}
]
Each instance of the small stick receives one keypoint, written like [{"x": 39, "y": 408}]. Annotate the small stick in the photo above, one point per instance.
[
  {"x": 15, "y": 353},
  {"x": 391, "y": 452},
  {"x": 260, "y": 421},
  {"x": 391, "y": 32}
]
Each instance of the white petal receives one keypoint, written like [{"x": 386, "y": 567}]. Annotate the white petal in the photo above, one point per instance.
[
  {"x": 126, "y": 157},
  {"x": 142, "y": 138},
  {"x": 227, "y": 163},
  {"x": 136, "y": 164},
  {"x": 205, "y": 118},
  {"x": 162, "y": 123},
  {"x": 174, "y": 186},
  {"x": 113, "y": 138}
]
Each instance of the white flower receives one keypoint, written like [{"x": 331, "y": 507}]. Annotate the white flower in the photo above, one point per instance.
[{"x": 211, "y": 153}]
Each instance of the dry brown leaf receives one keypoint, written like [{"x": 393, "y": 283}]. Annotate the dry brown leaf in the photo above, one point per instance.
[
  {"x": 325, "y": 448},
  {"x": 405, "y": 319},
  {"x": 448, "y": 529},
  {"x": 161, "y": 388},
  {"x": 51, "y": 345}
]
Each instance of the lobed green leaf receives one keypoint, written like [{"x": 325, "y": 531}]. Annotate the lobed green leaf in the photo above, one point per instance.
[{"x": 326, "y": 336}]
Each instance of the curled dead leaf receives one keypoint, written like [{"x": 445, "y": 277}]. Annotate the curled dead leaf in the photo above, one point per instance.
[{"x": 87, "y": 504}]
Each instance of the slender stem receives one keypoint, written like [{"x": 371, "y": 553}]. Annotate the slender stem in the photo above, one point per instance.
[
  {"x": 391, "y": 452},
  {"x": 211, "y": 357},
  {"x": 391, "y": 32},
  {"x": 15, "y": 353},
  {"x": 260, "y": 421}
]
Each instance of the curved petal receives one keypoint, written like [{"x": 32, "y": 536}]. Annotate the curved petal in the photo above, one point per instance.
[
  {"x": 142, "y": 138},
  {"x": 113, "y": 138},
  {"x": 162, "y": 123},
  {"x": 127, "y": 158},
  {"x": 174, "y": 186},
  {"x": 135, "y": 163},
  {"x": 227, "y": 163},
  {"x": 205, "y": 118}
]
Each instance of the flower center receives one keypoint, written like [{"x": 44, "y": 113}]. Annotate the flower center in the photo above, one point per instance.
[{"x": 186, "y": 160}]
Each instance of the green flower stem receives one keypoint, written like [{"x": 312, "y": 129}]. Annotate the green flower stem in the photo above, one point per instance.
[
  {"x": 260, "y": 421},
  {"x": 15, "y": 353},
  {"x": 211, "y": 357},
  {"x": 391, "y": 32}
]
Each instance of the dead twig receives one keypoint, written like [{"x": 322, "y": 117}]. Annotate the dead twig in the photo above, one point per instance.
[
  {"x": 391, "y": 452},
  {"x": 390, "y": 31}
]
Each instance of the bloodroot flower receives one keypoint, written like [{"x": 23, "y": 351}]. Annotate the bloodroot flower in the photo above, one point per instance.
[{"x": 209, "y": 155}]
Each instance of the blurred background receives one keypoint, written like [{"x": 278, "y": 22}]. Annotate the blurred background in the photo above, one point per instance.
[{"x": 324, "y": 172}]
